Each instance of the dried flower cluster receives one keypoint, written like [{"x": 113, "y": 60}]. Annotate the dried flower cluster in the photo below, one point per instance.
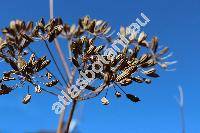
[{"x": 86, "y": 41}]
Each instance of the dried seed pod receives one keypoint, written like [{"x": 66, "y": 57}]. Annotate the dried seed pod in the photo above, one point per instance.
[
  {"x": 133, "y": 98},
  {"x": 7, "y": 74},
  {"x": 91, "y": 26},
  {"x": 59, "y": 21},
  {"x": 122, "y": 31},
  {"x": 41, "y": 25},
  {"x": 21, "y": 62},
  {"x": 52, "y": 36},
  {"x": 118, "y": 94},
  {"x": 154, "y": 44},
  {"x": 75, "y": 62},
  {"x": 72, "y": 29},
  {"x": 143, "y": 58},
  {"x": 126, "y": 73},
  {"x": 38, "y": 89},
  {"x": 119, "y": 57},
  {"x": 126, "y": 81},
  {"x": 35, "y": 31},
  {"x": 91, "y": 41},
  {"x": 151, "y": 73},
  {"x": 8, "y": 78},
  {"x": 12, "y": 64},
  {"x": 32, "y": 59},
  {"x": 5, "y": 89},
  {"x": 58, "y": 29},
  {"x": 163, "y": 51},
  {"x": 98, "y": 49},
  {"x": 88, "y": 87},
  {"x": 135, "y": 52},
  {"x": 148, "y": 81},
  {"x": 45, "y": 64},
  {"x": 25, "y": 52},
  {"x": 12, "y": 25},
  {"x": 144, "y": 43},
  {"x": 90, "y": 50},
  {"x": 26, "y": 99},
  {"x": 137, "y": 79},
  {"x": 107, "y": 31},
  {"x": 142, "y": 37},
  {"x": 125, "y": 50},
  {"x": 164, "y": 65},
  {"x": 52, "y": 83},
  {"x": 49, "y": 75},
  {"x": 132, "y": 37},
  {"x": 29, "y": 26},
  {"x": 104, "y": 101},
  {"x": 28, "y": 38},
  {"x": 149, "y": 63},
  {"x": 99, "y": 22}
]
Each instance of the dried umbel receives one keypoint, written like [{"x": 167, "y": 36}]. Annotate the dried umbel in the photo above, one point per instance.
[{"x": 135, "y": 63}]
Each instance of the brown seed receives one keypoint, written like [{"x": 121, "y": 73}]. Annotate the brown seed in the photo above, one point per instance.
[
  {"x": 104, "y": 101},
  {"x": 38, "y": 89},
  {"x": 26, "y": 99},
  {"x": 143, "y": 58},
  {"x": 75, "y": 62},
  {"x": 133, "y": 98},
  {"x": 118, "y": 94},
  {"x": 5, "y": 89},
  {"x": 138, "y": 79},
  {"x": 52, "y": 83},
  {"x": 154, "y": 44}
]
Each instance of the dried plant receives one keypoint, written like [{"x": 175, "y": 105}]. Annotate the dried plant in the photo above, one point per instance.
[{"x": 86, "y": 42}]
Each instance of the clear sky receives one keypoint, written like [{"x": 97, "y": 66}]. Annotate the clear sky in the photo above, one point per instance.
[{"x": 175, "y": 22}]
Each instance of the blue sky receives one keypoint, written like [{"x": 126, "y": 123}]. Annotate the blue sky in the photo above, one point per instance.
[{"x": 176, "y": 23}]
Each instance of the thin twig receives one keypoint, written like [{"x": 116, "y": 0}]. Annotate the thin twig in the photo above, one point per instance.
[
  {"x": 58, "y": 48},
  {"x": 54, "y": 60}
]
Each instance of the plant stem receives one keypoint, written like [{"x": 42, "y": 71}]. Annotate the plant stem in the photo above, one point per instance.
[{"x": 74, "y": 103}]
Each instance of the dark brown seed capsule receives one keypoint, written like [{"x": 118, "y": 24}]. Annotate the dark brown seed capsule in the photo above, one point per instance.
[
  {"x": 104, "y": 101},
  {"x": 163, "y": 51},
  {"x": 149, "y": 63},
  {"x": 98, "y": 49},
  {"x": 154, "y": 44},
  {"x": 150, "y": 71},
  {"x": 28, "y": 38},
  {"x": 75, "y": 62},
  {"x": 52, "y": 83},
  {"x": 137, "y": 79},
  {"x": 32, "y": 59},
  {"x": 5, "y": 89},
  {"x": 143, "y": 58},
  {"x": 26, "y": 99},
  {"x": 118, "y": 94},
  {"x": 49, "y": 75},
  {"x": 148, "y": 81},
  {"x": 92, "y": 26},
  {"x": 126, "y": 81},
  {"x": 133, "y": 98},
  {"x": 90, "y": 50},
  {"x": 29, "y": 26},
  {"x": 88, "y": 87}
]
